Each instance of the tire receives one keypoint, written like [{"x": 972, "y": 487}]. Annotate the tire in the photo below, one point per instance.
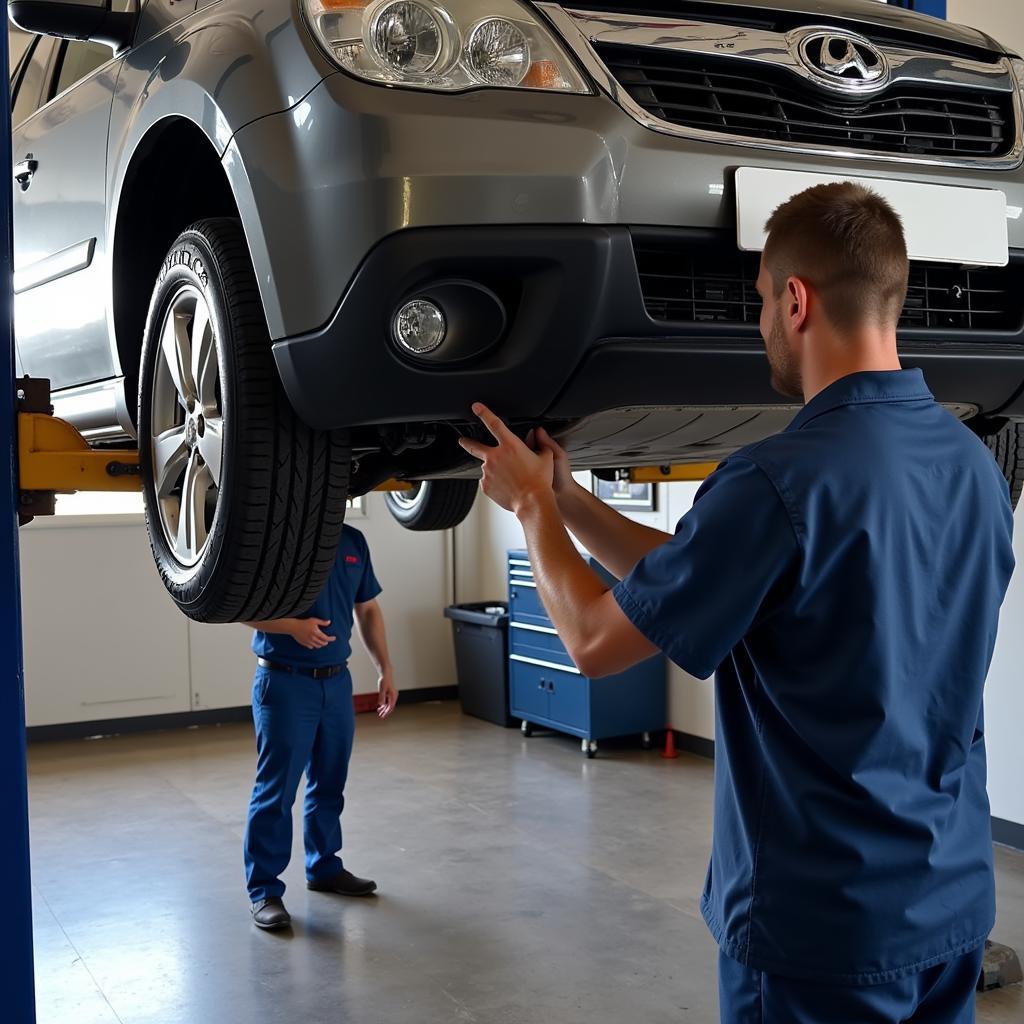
[
  {"x": 433, "y": 504},
  {"x": 259, "y": 536},
  {"x": 1007, "y": 445}
]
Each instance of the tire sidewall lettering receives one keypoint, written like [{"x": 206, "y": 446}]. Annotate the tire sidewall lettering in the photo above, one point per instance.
[{"x": 186, "y": 265}]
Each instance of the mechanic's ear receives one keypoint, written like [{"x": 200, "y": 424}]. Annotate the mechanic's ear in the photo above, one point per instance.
[{"x": 797, "y": 304}]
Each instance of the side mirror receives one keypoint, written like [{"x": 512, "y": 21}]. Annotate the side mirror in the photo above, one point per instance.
[{"x": 92, "y": 20}]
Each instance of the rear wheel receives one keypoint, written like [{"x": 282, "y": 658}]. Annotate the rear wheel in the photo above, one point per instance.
[
  {"x": 244, "y": 502},
  {"x": 433, "y": 504},
  {"x": 1007, "y": 445}
]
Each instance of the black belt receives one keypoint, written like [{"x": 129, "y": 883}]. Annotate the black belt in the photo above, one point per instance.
[{"x": 324, "y": 672}]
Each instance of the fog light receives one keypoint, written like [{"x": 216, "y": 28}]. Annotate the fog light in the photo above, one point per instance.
[
  {"x": 498, "y": 53},
  {"x": 420, "y": 326}
]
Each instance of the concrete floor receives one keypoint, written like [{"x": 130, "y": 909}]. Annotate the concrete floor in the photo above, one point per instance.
[{"x": 520, "y": 883}]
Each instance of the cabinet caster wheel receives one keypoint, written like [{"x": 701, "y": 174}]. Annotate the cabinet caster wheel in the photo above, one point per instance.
[
  {"x": 590, "y": 748},
  {"x": 527, "y": 729},
  {"x": 646, "y": 742}
]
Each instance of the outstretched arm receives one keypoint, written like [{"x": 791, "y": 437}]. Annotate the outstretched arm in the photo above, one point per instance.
[
  {"x": 596, "y": 632},
  {"x": 616, "y": 542}
]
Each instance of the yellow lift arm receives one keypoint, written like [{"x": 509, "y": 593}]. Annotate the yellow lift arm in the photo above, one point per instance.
[
  {"x": 668, "y": 474},
  {"x": 54, "y": 458}
]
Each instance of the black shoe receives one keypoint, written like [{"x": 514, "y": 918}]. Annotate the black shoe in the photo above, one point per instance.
[
  {"x": 270, "y": 914},
  {"x": 344, "y": 883}
]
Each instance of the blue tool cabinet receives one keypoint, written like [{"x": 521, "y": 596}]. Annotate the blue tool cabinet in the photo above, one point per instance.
[{"x": 546, "y": 689}]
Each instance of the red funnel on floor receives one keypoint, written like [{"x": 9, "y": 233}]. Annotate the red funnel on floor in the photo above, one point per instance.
[{"x": 670, "y": 743}]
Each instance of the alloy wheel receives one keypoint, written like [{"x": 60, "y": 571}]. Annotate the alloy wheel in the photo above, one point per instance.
[
  {"x": 407, "y": 499},
  {"x": 187, "y": 426}
]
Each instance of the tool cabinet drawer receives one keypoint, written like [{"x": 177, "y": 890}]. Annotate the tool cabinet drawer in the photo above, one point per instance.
[
  {"x": 538, "y": 642},
  {"x": 524, "y": 603}
]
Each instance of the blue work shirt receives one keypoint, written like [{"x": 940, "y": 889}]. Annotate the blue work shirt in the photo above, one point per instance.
[
  {"x": 351, "y": 582},
  {"x": 845, "y": 578}
]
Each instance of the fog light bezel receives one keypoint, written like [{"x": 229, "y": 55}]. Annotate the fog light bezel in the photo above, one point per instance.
[{"x": 476, "y": 321}]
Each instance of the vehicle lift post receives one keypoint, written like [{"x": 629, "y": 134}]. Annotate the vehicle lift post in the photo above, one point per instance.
[{"x": 17, "y": 980}]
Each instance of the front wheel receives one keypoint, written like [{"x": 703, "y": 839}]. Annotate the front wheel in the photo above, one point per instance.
[
  {"x": 1007, "y": 446},
  {"x": 433, "y": 504},
  {"x": 244, "y": 502}
]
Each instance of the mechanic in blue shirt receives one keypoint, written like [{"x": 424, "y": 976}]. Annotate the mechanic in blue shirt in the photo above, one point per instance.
[
  {"x": 845, "y": 578},
  {"x": 304, "y": 716}
]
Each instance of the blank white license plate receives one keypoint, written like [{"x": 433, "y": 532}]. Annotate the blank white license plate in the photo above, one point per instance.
[{"x": 944, "y": 223}]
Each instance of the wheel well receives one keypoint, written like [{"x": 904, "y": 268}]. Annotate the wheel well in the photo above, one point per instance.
[{"x": 175, "y": 178}]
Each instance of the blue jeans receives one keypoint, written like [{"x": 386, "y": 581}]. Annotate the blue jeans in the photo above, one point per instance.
[
  {"x": 302, "y": 724},
  {"x": 938, "y": 995}
]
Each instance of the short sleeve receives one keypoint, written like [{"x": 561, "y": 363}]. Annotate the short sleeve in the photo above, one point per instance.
[
  {"x": 698, "y": 594},
  {"x": 368, "y": 587}
]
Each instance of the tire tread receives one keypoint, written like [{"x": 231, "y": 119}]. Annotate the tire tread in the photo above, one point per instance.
[
  {"x": 290, "y": 481},
  {"x": 1007, "y": 446},
  {"x": 445, "y": 504}
]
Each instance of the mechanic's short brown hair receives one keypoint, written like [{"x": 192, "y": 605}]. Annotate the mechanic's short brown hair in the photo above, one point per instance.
[{"x": 847, "y": 242}]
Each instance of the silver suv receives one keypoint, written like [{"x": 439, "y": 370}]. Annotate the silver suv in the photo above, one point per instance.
[{"x": 284, "y": 244}]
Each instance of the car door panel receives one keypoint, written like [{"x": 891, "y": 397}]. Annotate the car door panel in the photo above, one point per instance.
[
  {"x": 30, "y": 58},
  {"x": 59, "y": 232}
]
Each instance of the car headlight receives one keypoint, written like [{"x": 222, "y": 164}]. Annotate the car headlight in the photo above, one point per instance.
[{"x": 449, "y": 46}]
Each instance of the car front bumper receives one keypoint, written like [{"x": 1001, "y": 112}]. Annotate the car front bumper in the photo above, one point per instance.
[
  {"x": 359, "y": 196},
  {"x": 579, "y": 339}
]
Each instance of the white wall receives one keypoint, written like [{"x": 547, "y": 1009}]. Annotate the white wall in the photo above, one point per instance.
[
  {"x": 1004, "y": 695},
  {"x": 1001, "y": 19},
  {"x": 102, "y": 639}
]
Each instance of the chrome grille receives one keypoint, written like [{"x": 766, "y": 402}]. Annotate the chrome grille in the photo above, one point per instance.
[
  {"x": 709, "y": 281},
  {"x": 721, "y": 95},
  {"x": 758, "y": 80},
  {"x": 779, "y": 21}
]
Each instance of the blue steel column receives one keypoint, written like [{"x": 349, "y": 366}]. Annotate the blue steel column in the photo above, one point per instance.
[
  {"x": 17, "y": 985},
  {"x": 936, "y": 8}
]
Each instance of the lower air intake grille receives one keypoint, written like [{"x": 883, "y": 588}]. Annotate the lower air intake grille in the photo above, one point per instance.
[{"x": 711, "y": 282}]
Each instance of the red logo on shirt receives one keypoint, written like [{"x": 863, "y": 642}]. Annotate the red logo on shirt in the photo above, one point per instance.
[{"x": 351, "y": 560}]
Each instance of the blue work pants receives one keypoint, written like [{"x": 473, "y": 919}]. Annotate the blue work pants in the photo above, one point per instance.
[
  {"x": 302, "y": 724},
  {"x": 943, "y": 994}
]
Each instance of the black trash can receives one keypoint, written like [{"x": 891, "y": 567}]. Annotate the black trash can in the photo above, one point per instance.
[{"x": 480, "y": 631}]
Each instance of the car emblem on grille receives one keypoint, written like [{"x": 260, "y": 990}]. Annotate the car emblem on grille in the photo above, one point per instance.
[{"x": 842, "y": 61}]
